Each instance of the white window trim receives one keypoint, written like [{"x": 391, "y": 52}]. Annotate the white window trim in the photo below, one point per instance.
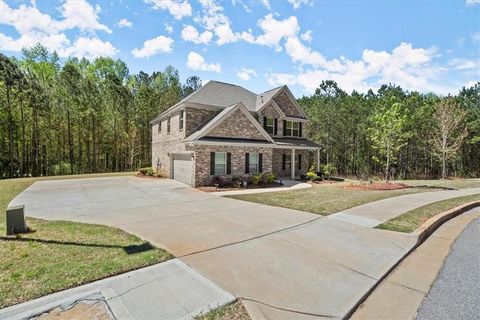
[
  {"x": 224, "y": 163},
  {"x": 268, "y": 126},
  {"x": 290, "y": 130},
  {"x": 181, "y": 118},
  {"x": 257, "y": 163}
]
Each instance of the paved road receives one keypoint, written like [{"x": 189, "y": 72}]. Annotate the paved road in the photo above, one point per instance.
[
  {"x": 286, "y": 264},
  {"x": 455, "y": 293}
]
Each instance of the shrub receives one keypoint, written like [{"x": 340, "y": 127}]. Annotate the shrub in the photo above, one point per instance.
[
  {"x": 61, "y": 168},
  {"x": 329, "y": 170},
  {"x": 144, "y": 171},
  {"x": 218, "y": 181},
  {"x": 269, "y": 177},
  {"x": 311, "y": 175},
  {"x": 255, "y": 178},
  {"x": 150, "y": 172}
]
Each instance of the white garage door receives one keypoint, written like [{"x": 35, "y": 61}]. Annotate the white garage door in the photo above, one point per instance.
[{"x": 182, "y": 167}]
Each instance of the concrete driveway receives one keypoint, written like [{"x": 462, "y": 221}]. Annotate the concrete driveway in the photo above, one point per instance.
[{"x": 285, "y": 264}]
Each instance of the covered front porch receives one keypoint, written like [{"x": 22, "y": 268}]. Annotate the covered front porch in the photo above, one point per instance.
[{"x": 293, "y": 158}]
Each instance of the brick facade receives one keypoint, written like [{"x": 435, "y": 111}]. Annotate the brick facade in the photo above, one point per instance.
[
  {"x": 164, "y": 143},
  {"x": 286, "y": 104},
  {"x": 196, "y": 118},
  {"x": 237, "y": 125},
  {"x": 307, "y": 158}
]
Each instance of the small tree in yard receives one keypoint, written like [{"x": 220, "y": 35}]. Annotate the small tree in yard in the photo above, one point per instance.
[
  {"x": 388, "y": 134},
  {"x": 449, "y": 132}
]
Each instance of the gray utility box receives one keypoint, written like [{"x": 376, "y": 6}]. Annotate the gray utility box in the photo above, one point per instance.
[{"x": 16, "y": 220}]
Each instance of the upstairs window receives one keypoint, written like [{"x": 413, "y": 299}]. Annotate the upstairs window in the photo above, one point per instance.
[
  {"x": 292, "y": 129},
  {"x": 159, "y": 126},
  {"x": 168, "y": 125},
  {"x": 270, "y": 125},
  {"x": 180, "y": 125}
]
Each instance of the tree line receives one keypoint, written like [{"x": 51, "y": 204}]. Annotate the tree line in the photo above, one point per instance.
[
  {"x": 395, "y": 133},
  {"x": 81, "y": 116}
]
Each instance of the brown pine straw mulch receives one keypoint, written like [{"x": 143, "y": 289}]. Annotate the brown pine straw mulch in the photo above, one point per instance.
[{"x": 378, "y": 186}]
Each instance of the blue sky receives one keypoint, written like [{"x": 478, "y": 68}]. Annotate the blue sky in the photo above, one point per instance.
[{"x": 427, "y": 46}]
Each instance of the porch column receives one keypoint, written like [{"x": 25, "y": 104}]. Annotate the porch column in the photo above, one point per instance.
[
  {"x": 318, "y": 160},
  {"x": 293, "y": 164}
]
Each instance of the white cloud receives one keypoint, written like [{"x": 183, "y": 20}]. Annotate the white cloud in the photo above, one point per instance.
[
  {"x": 298, "y": 3},
  {"x": 168, "y": 28},
  {"x": 214, "y": 20},
  {"x": 465, "y": 64},
  {"x": 266, "y": 3},
  {"x": 307, "y": 36},
  {"x": 412, "y": 68},
  {"x": 178, "y": 9},
  {"x": 90, "y": 48},
  {"x": 160, "y": 44},
  {"x": 472, "y": 2},
  {"x": 276, "y": 30},
  {"x": 124, "y": 23},
  {"x": 190, "y": 33},
  {"x": 245, "y": 74},
  {"x": 37, "y": 27},
  {"x": 81, "y": 14},
  {"x": 197, "y": 62}
]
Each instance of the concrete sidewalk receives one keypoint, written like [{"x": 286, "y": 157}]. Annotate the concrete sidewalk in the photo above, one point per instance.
[
  {"x": 170, "y": 290},
  {"x": 377, "y": 212},
  {"x": 288, "y": 185},
  {"x": 399, "y": 296}
]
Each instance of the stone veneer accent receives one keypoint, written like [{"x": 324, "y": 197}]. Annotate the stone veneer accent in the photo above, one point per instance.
[
  {"x": 288, "y": 107},
  {"x": 307, "y": 159},
  {"x": 163, "y": 143},
  {"x": 196, "y": 118},
  {"x": 202, "y": 160},
  {"x": 237, "y": 125}
]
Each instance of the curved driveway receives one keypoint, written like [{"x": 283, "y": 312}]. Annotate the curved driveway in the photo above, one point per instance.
[{"x": 284, "y": 263}]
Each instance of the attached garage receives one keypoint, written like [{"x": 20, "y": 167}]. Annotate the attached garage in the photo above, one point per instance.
[{"x": 182, "y": 167}]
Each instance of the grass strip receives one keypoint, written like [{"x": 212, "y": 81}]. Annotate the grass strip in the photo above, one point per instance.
[{"x": 411, "y": 220}]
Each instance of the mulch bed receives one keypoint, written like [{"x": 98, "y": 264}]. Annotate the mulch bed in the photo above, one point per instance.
[
  {"x": 139, "y": 175},
  {"x": 250, "y": 186},
  {"x": 378, "y": 186}
]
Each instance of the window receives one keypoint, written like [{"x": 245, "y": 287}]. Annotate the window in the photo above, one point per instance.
[
  {"x": 270, "y": 125},
  {"x": 253, "y": 161},
  {"x": 220, "y": 163},
  {"x": 292, "y": 128},
  {"x": 168, "y": 125},
  {"x": 288, "y": 162},
  {"x": 159, "y": 126},
  {"x": 180, "y": 125}
]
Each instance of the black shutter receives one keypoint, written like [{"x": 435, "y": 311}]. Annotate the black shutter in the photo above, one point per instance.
[
  {"x": 283, "y": 161},
  {"x": 260, "y": 158},
  {"x": 300, "y": 129},
  {"x": 284, "y": 127},
  {"x": 276, "y": 125},
  {"x": 212, "y": 163},
  {"x": 247, "y": 162},
  {"x": 265, "y": 123},
  {"x": 229, "y": 162},
  {"x": 299, "y": 161}
]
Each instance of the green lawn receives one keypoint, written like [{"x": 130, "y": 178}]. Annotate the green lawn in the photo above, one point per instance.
[
  {"x": 325, "y": 199},
  {"x": 233, "y": 311},
  {"x": 62, "y": 254},
  {"x": 411, "y": 220}
]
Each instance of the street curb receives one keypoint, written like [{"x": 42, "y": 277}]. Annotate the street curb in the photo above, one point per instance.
[
  {"x": 432, "y": 224},
  {"x": 422, "y": 233}
]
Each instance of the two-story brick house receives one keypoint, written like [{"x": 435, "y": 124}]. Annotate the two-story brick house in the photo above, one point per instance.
[{"x": 226, "y": 130}]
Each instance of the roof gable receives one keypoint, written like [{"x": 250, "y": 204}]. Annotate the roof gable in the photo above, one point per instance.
[
  {"x": 288, "y": 104},
  {"x": 233, "y": 122}
]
